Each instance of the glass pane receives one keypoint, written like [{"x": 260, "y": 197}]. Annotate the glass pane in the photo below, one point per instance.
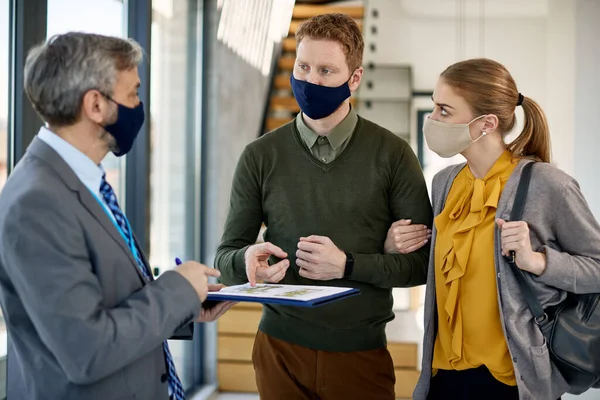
[
  {"x": 105, "y": 17},
  {"x": 172, "y": 90},
  {"x": 4, "y": 55}
]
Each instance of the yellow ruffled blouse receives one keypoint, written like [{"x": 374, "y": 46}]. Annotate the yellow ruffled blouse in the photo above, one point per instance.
[{"x": 469, "y": 328}]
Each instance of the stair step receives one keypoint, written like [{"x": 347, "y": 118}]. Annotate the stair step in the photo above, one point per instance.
[
  {"x": 404, "y": 354},
  {"x": 289, "y": 45},
  {"x": 274, "y": 123},
  {"x": 282, "y": 82},
  {"x": 308, "y": 11},
  {"x": 284, "y": 103},
  {"x": 286, "y": 63}
]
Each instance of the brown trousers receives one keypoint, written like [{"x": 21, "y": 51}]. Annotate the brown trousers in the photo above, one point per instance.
[{"x": 286, "y": 371}]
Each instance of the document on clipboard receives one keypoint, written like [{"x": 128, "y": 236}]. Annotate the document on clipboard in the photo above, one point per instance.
[{"x": 289, "y": 295}]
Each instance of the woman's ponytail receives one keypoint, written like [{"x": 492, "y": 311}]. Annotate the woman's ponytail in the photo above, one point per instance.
[{"x": 534, "y": 141}]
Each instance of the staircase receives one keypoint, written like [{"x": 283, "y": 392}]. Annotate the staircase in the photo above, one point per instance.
[{"x": 282, "y": 105}]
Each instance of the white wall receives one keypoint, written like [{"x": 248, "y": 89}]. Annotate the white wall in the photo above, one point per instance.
[
  {"x": 560, "y": 70},
  {"x": 587, "y": 101},
  {"x": 533, "y": 39},
  {"x": 586, "y": 140}
]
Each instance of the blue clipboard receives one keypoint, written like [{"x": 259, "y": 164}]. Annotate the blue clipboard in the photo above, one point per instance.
[{"x": 215, "y": 296}]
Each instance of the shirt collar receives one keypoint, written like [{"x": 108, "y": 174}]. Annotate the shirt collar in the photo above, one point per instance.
[
  {"x": 336, "y": 137},
  {"x": 86, "y": 170}
]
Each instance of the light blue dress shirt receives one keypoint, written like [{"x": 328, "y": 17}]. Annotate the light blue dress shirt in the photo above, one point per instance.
[{"x": 83, "y": 166}]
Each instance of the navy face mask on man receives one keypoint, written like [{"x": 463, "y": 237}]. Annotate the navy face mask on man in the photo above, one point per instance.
[
  {"x": 127, "y": 126},
  {"x": 318, "y": 101}
]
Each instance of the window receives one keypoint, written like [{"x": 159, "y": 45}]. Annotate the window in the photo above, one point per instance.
[
  {"x": 105, "y": 17},
  {"x": 174, "y": 148},
  {"x": 4, "y": 55}
]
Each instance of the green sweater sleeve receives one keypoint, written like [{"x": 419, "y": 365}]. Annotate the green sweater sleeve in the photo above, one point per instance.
[
  {"x": 243, "y": 222},
  {"x": 408, "y": 200}
]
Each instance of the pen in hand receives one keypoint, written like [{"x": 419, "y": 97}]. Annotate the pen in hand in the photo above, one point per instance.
[
  {"x": 212, "y": 287},
  {"x": 208, "y": 305}
]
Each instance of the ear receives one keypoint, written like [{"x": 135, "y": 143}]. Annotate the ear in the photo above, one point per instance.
[
  {"x": 94, "y": 106},
  {"x": 355, "y": 79},
  {"x": 490, "y": 123}
]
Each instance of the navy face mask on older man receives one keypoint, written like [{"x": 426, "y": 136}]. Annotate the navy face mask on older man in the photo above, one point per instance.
[
  {"x": 127, "y": 126},
  {"x": 318, "y": 101}
]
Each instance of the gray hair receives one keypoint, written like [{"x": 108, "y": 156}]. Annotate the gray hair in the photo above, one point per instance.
[{"x": 60, "y": 72}]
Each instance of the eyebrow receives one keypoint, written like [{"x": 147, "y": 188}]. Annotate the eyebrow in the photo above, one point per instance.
[
  {"x": 442, "y": 104},
  {"x": 318, "y": 66}
]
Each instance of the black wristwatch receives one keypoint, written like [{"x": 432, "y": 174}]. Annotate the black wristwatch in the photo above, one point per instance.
[{"x": 349, "y": 266}]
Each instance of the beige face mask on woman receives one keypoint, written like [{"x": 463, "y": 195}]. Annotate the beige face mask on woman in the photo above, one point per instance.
[{"x": 447, "y": 140}]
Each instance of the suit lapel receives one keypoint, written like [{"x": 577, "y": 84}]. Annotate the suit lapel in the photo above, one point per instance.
[
  {"x": 97, "y": 211},
  {"x": 41, "y": 150}
]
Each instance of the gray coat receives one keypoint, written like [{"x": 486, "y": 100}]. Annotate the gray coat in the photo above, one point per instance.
[
  {"x": 82, "y": 323},
  {"x": 562, "y": 226}
]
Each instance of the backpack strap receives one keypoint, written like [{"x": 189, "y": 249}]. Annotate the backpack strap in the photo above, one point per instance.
[{"x": 516, "y": 214}]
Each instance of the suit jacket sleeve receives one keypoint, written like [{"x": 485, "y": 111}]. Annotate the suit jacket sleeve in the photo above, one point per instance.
[
  {"x": 48, "y": 262},
  {"x": 186, "y": 332}
]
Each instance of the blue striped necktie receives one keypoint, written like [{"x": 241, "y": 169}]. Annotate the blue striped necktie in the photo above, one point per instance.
[{"x": 175, "y": 387}]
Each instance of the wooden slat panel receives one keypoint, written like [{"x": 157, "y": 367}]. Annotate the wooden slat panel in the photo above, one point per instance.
[
  {"x": 415, "y": 297},
  {"x": 307, "y": 11},
  {"x": 406, "y": 380},
  {"x": 282, "y": 82},
  {"x": 274, "y": 123},
  {"x": 240, "y": 321},
  {"x": 247, "y": 305},
  {"x": 235, "y": 348},
  {"x": 289, "y": 44},
  {"x": 403, "y": 354},
  {"x": 236, "y": 377},
  {"x": 286, "y": 63},
  {"x": 295, "y": 23}
]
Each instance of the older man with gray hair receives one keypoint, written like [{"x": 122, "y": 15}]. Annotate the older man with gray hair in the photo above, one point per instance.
[{"x": 85, "y": 317}]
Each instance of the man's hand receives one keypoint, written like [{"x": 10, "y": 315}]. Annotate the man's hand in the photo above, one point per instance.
[
  {"x": 320, "y": 259},
  {"x": 515, "y": 237},
  {"x": 257, "y": 263},
  {"x": 404, "y": 238},
  {"x": 212, "y": 312},
  {"x": 197, "y": 275}
]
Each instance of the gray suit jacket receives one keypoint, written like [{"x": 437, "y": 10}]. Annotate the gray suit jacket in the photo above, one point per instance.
[
  {"x": 82, "y": 323},
  {"x": 563, "y": 227}
]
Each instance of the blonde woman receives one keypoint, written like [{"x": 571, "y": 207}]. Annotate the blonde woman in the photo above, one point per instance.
[{"x": 480, "y": 339}]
